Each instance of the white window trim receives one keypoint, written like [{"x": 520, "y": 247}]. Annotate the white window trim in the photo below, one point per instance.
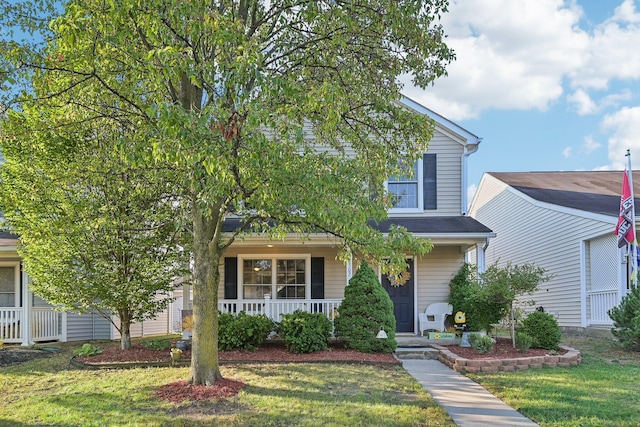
[
  {"x": 420, "y": 207},
  {"x": 16, "y": 280},
  {"x": 274, "y": 284}
]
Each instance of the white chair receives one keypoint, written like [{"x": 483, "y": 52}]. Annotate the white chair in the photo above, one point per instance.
[{"x": 434, "y": 316}]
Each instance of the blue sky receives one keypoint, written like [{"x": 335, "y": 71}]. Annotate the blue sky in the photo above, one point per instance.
[{"x": 549, "y": 85}]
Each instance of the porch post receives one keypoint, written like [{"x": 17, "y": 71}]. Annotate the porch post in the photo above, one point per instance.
[
  {"x": 25, "y": 326},
  {"x": 349, "y": 267}
]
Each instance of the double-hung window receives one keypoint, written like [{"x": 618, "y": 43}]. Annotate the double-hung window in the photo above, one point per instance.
[
  {"x": 417, "y": 191},
  {"x": 282, "y": 277},
  {"x": 404, "y": 189},
  {"x": 9, "y": 284}
]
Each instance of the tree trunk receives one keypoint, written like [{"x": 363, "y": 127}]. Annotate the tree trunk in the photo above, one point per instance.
[
  {"x": 125, "y": 330},
  {"x": 205, "y": 368}
]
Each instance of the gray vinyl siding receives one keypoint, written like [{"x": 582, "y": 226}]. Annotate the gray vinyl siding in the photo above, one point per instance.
[
  {"x": 448, "y": 177},
  {"x": 156, "y": 326},
  {"x": 87, "y": 326},
  {"x": 530, "y": 233}
]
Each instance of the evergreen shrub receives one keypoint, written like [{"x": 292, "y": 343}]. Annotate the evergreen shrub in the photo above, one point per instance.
[
  {"x": 543, "y": 329},
  {"x": 243, "y": 331},
  {"x": 482, "y": 343},
  {"x": 305, "y": 332},
  {"x": 365, "y": 309},
  {"x": 523, "y": 341},
  {"x": 626, "y": 320}
]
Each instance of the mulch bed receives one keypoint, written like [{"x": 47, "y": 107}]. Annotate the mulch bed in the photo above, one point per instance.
[
  {"x": 13, "y": 355},
  {"x": 269, "y": 352},
  {"x": 503, "y": 349},
  {"x": 180, "y": 391}
]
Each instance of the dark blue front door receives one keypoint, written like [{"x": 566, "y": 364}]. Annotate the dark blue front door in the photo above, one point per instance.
[{"x": 402, "y": 297}]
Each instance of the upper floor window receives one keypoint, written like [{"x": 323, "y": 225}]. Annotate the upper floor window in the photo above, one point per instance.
[
  {"x": 404, "y": 189},
  {"x": 417, "y": 192}
]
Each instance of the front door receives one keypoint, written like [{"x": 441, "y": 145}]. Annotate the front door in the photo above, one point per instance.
[{"x": 402, "y": 298}]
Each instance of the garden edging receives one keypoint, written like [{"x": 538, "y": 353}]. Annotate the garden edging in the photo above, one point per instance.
[{"x": 460, "y": 364}]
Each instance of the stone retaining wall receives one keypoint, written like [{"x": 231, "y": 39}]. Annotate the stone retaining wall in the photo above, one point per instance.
[{"x": 570, "y": 358}]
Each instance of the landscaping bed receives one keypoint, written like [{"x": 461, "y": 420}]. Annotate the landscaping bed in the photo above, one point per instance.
[
  {"x": 505, "y": 358},
  {"x": 269, "y": 352}
]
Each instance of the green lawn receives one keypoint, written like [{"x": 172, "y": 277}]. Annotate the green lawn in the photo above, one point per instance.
[
  {"x": 603, "y": 391},
  {"x": 51, "y": 392}
]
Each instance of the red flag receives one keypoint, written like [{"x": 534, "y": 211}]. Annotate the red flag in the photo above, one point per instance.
[{"x": 625, "y": 229}]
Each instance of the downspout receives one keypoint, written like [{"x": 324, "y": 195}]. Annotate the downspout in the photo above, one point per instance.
[
  {"x": 481, "y": 256},
  {"x": 463, "y": 174}
]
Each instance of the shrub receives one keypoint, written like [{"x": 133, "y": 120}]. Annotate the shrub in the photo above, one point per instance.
[
  {"x": 305, "y": 332},
  {"x": 523, "y": 341},
  {"x": 365, "y": 309},
  {"x": 543, "y": 329},
  {"x": 482, "y": 343},
  {"x": 242, "y": 331},
  {"x": 87, "y": 350},
  {"x": 158, "y": 344},
  {"x": 626, "y": 320}
]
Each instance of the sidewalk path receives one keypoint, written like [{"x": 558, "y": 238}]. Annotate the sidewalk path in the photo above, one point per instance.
[{"x": 466, "y": 402}]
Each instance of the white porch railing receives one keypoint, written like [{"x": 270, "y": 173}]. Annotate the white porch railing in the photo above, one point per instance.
[
  {"x": 10, "y": 320},
  {"x": 275, "y": 308},
  {"x": 45, "y": 324},
  {"x": 600, "y": 302}
]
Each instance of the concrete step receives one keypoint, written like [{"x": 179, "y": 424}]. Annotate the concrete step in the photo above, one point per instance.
[{"x": 416, "y": 353}]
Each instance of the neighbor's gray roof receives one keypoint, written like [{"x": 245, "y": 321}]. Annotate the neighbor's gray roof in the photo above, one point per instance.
[
  {"x": 596, "y": 191},
  {"x": 8, "y": 239},
  {"x": 440, "y": 225}
]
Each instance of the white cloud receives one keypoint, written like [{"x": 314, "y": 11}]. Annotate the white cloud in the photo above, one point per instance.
[
  {"x": 613, "y": 50},
  {"x": 566, "y": 153},
  {"x": 582, "y": 101},
  {"x": 521, "y": 54},
  {"x": 590, "y": 145},
  {"x": 511, "y": 54},
  {"x": 623, "y": 128}
]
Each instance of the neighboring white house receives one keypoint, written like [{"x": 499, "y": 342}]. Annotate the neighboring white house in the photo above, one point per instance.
[
  {"x": 276, "y": 277},
  {"x": 564, "y": 222},
  {"x": 25, "y": 318}
]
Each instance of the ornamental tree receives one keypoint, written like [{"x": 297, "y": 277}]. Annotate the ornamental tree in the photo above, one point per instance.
[
  {"x": 95, "y": 232},
  {"x": 283, "y": 113}
]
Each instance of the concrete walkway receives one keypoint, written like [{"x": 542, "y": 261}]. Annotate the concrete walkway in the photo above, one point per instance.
[{"x": 466, "y": 402}]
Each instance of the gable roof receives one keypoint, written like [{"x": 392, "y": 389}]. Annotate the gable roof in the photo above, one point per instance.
[
  {"x": 469, "y": 137},
  {"x": 594, "y": 191}
]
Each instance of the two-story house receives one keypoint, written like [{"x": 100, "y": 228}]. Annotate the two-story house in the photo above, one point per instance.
[{"x": 277, "y": 277}]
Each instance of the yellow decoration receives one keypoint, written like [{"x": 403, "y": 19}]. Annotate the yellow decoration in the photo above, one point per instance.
[
  {"x": 397, "y": 280},
  {"x": 460, "y": 317},
  {"x": 187, "y": 325}
]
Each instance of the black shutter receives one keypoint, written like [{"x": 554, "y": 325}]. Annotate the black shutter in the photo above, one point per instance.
[
  {"x": 317, "y": 278},
  {"x": 429, "y": 184},
  {"x": 231, "y": 278}
]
